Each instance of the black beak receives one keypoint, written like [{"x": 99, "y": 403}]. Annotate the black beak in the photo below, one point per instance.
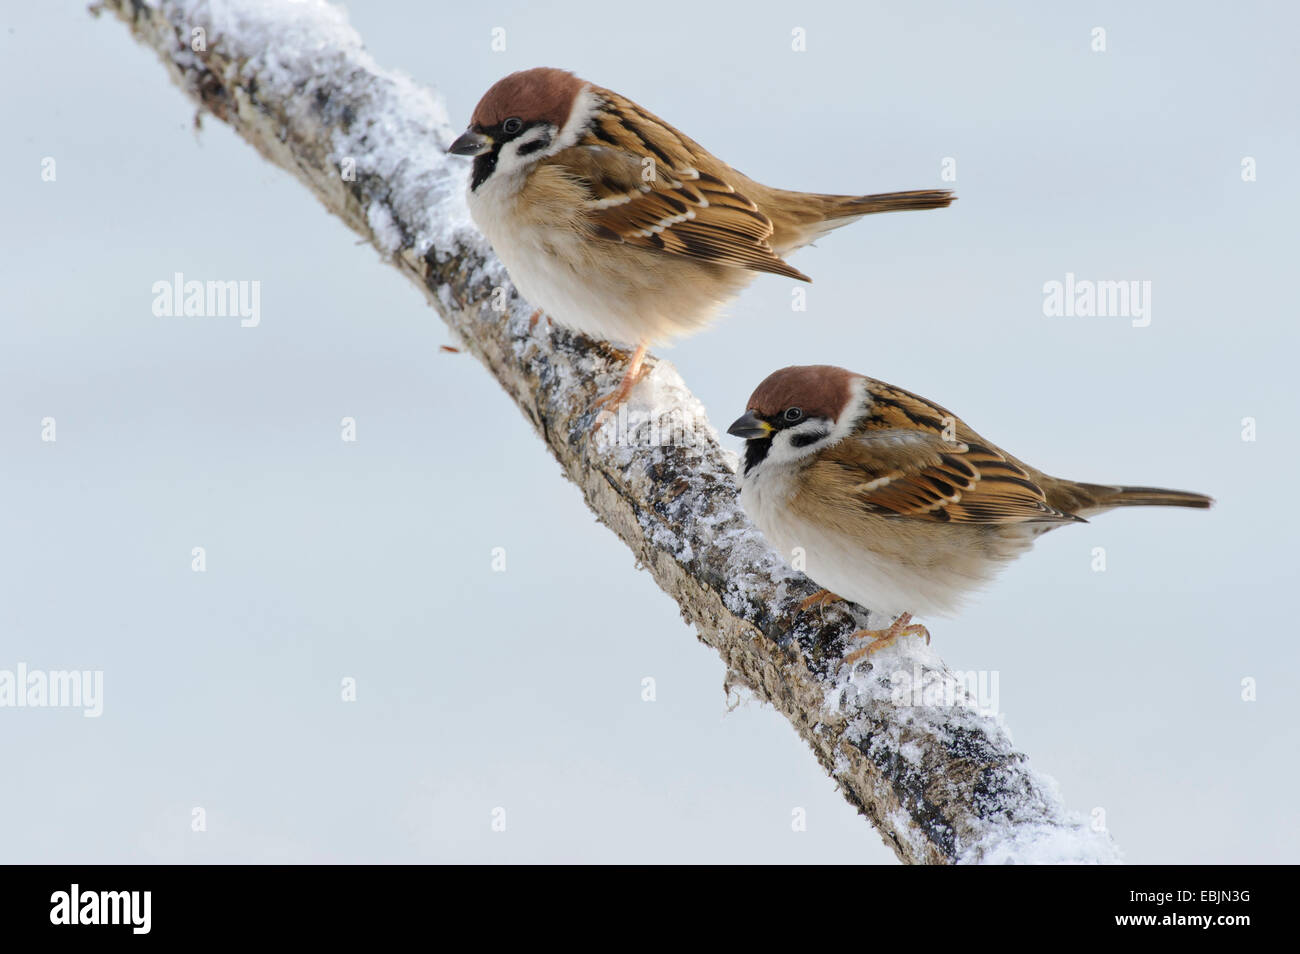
[
  {"x": 750, "y": 427},
  {"x": 470, "y": 143}
]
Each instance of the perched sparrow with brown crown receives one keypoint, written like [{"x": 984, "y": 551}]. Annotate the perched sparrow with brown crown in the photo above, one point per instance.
[
  {"x": 897, "y": 504},
  {"x": 619, "y": 226}
]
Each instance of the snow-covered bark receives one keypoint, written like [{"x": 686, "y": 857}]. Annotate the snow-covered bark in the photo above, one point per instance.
[{"x": 940, "y": 780}]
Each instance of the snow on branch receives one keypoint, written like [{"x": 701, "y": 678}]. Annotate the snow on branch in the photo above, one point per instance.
[{"x": 903, "y": 737}]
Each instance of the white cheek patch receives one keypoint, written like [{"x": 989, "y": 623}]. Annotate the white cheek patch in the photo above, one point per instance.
[
  {"x": 509, "y": 161},
  {"x": 536, "y": 134},
  {"x": 816, "y": 432}
]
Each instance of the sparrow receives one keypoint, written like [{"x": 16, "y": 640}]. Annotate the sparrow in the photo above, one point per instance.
[
  {"x": 621, "y": 227},
  {"x": 898, "y": 505}
]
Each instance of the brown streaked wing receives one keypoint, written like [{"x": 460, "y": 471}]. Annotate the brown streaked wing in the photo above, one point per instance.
[
  {"x": 685, "y": 206},
  {"x": 898, "y": 463}
]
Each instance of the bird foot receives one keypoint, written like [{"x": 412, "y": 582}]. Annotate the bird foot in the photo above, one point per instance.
[
  {"x": 880, "y": 638},
  {"x": 630, "y": 380},
  {"x": 636, "y": 370},
  {"x": 820, "y": 598}
]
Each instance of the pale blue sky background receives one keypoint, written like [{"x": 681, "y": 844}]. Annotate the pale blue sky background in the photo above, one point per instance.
[{"x": 522, "y": 689}]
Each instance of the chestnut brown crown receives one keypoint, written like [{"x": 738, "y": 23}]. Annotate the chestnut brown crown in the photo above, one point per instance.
[
  {"x": 542, "y": 93},
  {"x": 819, "y": 390}
]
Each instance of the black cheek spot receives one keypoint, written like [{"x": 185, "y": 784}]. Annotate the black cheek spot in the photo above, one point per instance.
[
  {"x": 803, "y": 440},
  {"x": 531, "y": 147}
]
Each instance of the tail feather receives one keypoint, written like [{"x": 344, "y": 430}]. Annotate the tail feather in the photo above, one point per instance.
[
  {"x": 800, "y": 218},
  {"x": 1098, "y": 497},
  {"x": 888, "y": 202}
]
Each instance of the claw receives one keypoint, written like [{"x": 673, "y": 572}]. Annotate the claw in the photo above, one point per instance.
[
  {"x": 635, "y": 372},
  {"x": 820, "y": 598},
  {"x": 880, "y": 638}
]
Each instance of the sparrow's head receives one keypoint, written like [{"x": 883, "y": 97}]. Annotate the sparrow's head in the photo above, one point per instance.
[
  {"x": 796, "y": 412},
  {"x": 519, "y": 120}
]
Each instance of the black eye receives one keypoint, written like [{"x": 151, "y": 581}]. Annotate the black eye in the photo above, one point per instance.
[
  {"x": 512, "y": 125},
  {"x": 793, "y": 415}
]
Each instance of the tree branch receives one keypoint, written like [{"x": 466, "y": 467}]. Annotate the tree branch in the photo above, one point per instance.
[{"x": 940, "y": 781}]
